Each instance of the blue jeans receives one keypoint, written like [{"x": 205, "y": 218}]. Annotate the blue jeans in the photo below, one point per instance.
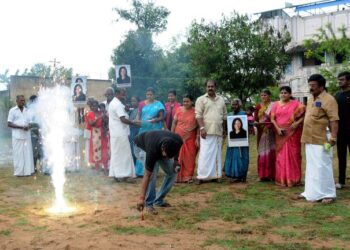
[{"x": 153, "y": 198}]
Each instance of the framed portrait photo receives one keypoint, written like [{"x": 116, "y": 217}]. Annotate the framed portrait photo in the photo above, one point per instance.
[
  {"x": 123, "y": 75},
  {"x": 79, "y": 89},
  {"x": 237, "y": 131}
]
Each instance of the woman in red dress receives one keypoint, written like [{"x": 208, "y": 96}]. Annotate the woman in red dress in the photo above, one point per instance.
[{"x": 98, "y": 153}]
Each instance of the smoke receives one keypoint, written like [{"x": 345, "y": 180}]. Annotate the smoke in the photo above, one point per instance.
[{"x": 55, "y": 111}]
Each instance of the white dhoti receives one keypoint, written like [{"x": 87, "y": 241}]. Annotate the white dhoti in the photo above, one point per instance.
[
  {"x": 319, "y": 181},
  {"x": 23, "y": 161},
  {"x": 121, "y": 163},
  {"x": 209, "y": 160}
]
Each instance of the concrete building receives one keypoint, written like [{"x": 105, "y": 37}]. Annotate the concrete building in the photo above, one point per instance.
[
  {"x": 29, "y": 85},
  {"x": 303, "y": 22}
]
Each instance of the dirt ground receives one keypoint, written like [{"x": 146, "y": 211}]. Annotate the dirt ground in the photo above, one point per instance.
[{"x": 201, "y": 217}]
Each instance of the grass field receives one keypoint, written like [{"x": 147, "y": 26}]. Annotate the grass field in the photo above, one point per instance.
[{"x": 254, "y": 215}]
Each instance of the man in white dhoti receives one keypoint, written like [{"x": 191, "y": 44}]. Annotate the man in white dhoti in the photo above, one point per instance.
[
  {"x": 321, "y": 111},
  {"x": 121, "y": 163},
  {"x": 211, "y": 115},
  {"x": 18, "y": 120}
]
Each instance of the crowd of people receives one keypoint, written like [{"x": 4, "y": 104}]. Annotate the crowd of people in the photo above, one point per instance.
[{"x": 129, "y": 141}]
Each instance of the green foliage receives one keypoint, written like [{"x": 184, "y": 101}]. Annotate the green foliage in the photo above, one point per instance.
[
  {"x": 146, "y": 16},
  {"x": 45, "y": 71},
  {"x": 139, "y": 50},
  {"x": 324, "y": 46},
  {"x": 242, "y": 55},
  {"x": 5, "y": 77}
]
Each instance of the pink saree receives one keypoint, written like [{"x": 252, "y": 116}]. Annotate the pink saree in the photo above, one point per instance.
[{"x": 288, "y": 146}]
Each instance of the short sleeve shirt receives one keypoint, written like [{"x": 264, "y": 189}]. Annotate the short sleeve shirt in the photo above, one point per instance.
[
  {"x": 19, "y": 118},
  {"x": 117, "y": 128},
  {"x": 213, "y": 112},
  {"x": 343, "y": 100},
  {"x": 151, "y": 142},
  {"x": 319, "y": 112}
]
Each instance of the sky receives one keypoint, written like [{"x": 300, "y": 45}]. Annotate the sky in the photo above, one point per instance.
[{"x": 83, "y": 33}]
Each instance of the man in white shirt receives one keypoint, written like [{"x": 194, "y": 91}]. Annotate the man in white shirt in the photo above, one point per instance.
[
  {"x": 18, "y": 120},
  {"x": 121, "y": 163},
  {"x": 109, "y": 94}
]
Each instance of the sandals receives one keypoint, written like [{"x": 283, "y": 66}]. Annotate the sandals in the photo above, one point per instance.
[{"x": 327, "y": 200}]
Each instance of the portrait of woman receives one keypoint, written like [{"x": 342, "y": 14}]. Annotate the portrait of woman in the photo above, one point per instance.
[
  {"x": 238, "y": 132},
  {"x": 78, "y": 93},
  {"x": 123, "y": 75}
]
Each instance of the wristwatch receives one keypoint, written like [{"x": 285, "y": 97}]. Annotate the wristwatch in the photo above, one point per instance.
[{"x": 201, "y": 128}]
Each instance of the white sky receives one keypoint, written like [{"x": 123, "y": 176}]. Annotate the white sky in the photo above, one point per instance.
[{"x": 82, "y": 33}]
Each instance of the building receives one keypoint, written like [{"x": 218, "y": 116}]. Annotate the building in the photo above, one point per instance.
[{"x": 303, "y": 22}]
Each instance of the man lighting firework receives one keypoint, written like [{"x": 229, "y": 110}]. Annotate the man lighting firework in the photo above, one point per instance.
[{"x": 162, "y": 148}]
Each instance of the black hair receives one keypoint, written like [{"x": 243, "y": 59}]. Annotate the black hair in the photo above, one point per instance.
[
  {"x": 289, "y": 90},
  {"x": 171, "y": 146},
  {"x": 286, "y": 88},
  {"x": 234, "y": 121},
  {"x": 19, "y": 96},
  {"x": 136, "y": 97},
  {"x": 79, "y": 79},
  {"x": 33, "y": 98},
  {"x": 251, "y": 108},
  {"x": 75, "y": 88},
  {"x": 102, "y": 105},
  {"x": 120, "y": 70},
  {"x": 188, "y": 96},
  {"x": 119, "y": 90},
  {"x": 321, "y": 82},
  {"x": 150, "y": 89},
  {"x": 172, "y": 91},
  {"x": 266, "y": 91},
  {"x": 346, "y": 74},
  {"x": 212, "y": 81}
]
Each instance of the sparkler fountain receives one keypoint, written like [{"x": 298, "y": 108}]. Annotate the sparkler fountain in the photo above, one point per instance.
[{"x": 56, "y": 111}]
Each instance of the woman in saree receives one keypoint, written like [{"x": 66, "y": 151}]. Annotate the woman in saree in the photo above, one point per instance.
[
  {"x": 265, "y": 138},
  {"x": 287, "y": 116},
  {"x": 185, "y": 125},
  {"x": 237, "y": 158},
  {"x": 151, "y": 114},
  {"x": 98, "y": 151}
]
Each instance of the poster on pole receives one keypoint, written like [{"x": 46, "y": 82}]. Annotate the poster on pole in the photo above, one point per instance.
[
  {"x": 79, "y": 89},
  {"x": 237, "y": 131},
  {"x": 123, "y": 75}
]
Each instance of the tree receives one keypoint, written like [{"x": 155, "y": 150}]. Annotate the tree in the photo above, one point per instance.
[
  {"x": 140, "y": 52},
  {"x": 176, "y": 72},
  {"x": 242, "y": 55},
  {"x": 146, "y": 16},
  {"x": 46, "y": 71},
  {"x": 138, "y": 49},
  {"x": 5, "y": 77},
  {"x": 327, "y": 47}
]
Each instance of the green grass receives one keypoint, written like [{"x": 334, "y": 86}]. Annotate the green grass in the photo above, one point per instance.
[
  {"x": 5, "y": 232},
  {"x": 151, "y": 231},
  {"x": 256, "y": 215}
]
